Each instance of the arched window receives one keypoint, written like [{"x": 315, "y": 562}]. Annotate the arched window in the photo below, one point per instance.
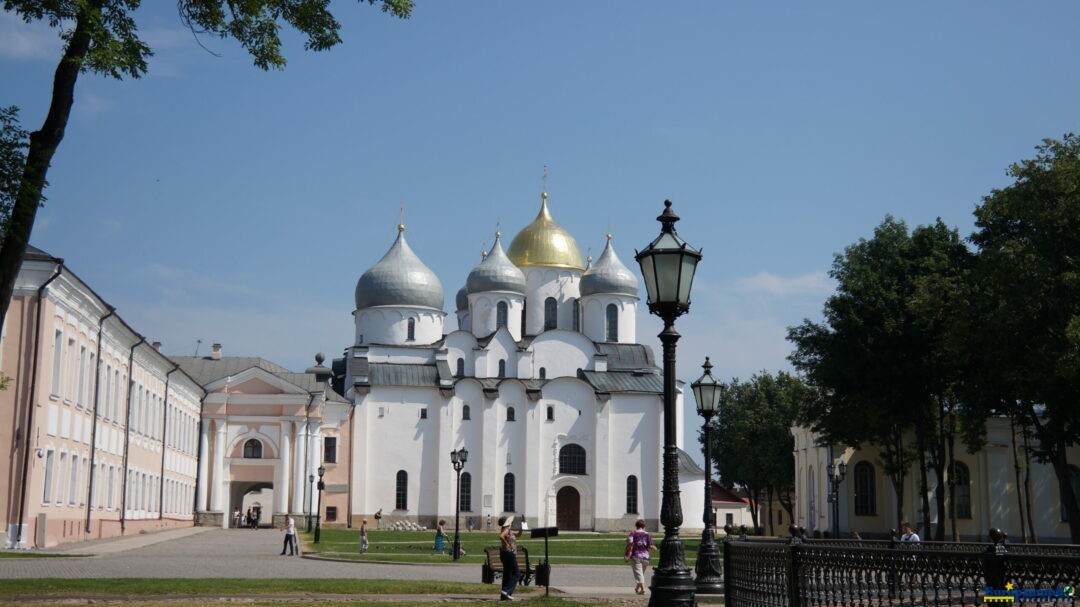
[
  {"x": 572, "y": 459},
  {"x": 502, "y": 368},
  {"x": 543, "y": 373},
  {"x": 501, "y": 312},
  {"x": 412, "y": 329},
  {"x": 962, "y": 496},
  {"x": 523, "y": 321},
  {"x": 510, "y": 414},
  {"x": 465, "y": 413},
  {"x": 551, "y": 313},
  {"x": 551, "y": 413},
  {"x": 865, "y": 491},
  {"x": 631, "y": 494},
  {"x": 466, "y": 492},
  {"x": 460, "y": 370},
  {"x": 577, "y": 315},
  {"x": 612, "y": 323},
  {"x": 253, "y": 449},
  {"x": 508, "y": 493},
  {"x": 401, "y": 497}
]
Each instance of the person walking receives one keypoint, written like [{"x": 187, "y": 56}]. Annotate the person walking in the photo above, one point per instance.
[
  {"x": 363, "y": 537},
  {"x": 638, "y": 545},
  {"x": 909, "y": 534},
  {"x": 440, "y": 537},
  {"x": 508, "y": 557},
  {"x": 290, "y": 537}
]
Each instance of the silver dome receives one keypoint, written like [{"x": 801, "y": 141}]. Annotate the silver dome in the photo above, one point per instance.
[
  {"x": 496, "y": 273},
  {"x": 399, "y": 279},
  {"x": 609, "y": 275},
  {"x": 462, "y": 299}
]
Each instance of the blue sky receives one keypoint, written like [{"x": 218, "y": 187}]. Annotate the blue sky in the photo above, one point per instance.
[{"x": 213, "y": 201}]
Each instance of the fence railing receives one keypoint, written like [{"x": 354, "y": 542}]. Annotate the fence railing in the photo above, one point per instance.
[{"x": 799, "y": 572}]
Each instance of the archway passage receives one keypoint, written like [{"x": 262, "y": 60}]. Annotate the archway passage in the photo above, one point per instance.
[
  {"x": 568, "y": 509},
  {"x": 252, "y": 498}
]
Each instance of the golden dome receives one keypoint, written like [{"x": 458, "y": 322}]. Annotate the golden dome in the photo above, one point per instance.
[{"x": 545, "y": 243}]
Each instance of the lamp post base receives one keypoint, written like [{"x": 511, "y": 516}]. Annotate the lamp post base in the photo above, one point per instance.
[
  {"x": 670, "y": 588},
  {"x": 709, "y": 570}
]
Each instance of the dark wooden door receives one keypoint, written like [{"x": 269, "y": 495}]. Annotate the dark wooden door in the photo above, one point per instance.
[{"x": 568, "y": 509}]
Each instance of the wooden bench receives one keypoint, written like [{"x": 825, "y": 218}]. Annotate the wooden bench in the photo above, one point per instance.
[{"x": 493, "y": 567}]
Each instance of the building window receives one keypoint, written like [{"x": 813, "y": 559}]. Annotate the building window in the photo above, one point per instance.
[
  {"x": 502, "y": 368},
  {"x": 330, "y": 450},
  {"x": 612, "y": 323},
  {"x": 460, "y": 371},
  {"x": 253, "y": 449},
  {"x": 631, "y": 495},
  {"x": 466, "y": 492},
  {"x": 729, "y": 519},
  {"x": 508, "y": 493},
  {"x": 550, "y": 413},
  {"x": 962, "y": 496},
  {"x": 510, "y": 414},
  {"x": 331, "y": 514},
  {"x": 523, "y": 321},
  {"x": 577, "y": 315},
  {"x": 401, "y": 497},
  {"x": 543, "y": 373},
  {"x": 501, "y": 312},
  {"x": 572, "y": 459},
  {"x": 79, "y": 395},
  {"x": 58, "y": 350},
  {"x": 50, "y": 462},
  {"x": 411, "y": 329},
  {"x": 466, "y": 413},
  {"x": 423, "y": 413},
  {"x": 551, "y": 313},
  {"x": 865, "y": 491}
]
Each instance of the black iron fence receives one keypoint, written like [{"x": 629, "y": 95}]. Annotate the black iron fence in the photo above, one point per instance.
[{"x": 804, "y": 572}]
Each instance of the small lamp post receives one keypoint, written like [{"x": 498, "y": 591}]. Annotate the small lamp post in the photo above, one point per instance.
[
  {"x": 318, "y": 515},
  {"x": 457, "y": 460},
  {"x": 310, "y": 496},
  {"x": 710, "y": 574},
  {"x": 836, "y": 476},
  {"x": 668, "y": 266}
]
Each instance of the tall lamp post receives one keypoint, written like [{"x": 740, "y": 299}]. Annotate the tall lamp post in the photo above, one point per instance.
[
  {"x": 458, "y": 459},
  {"x": 310, "y": 495},
  {"x": 318, "y": 515},
  {"x": 710, "y": 574},
  {"x": 836, "y": 476},
  {"x": 668, "y": 265}
]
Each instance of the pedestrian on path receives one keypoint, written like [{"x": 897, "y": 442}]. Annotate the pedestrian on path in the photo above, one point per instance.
[
  {"x": 290, "y": 537},
  {"x": 363, "y": 537},
  {"x": 440, "y": 537},
  {"x": 508, "y": 557},
  {"x": 638, "y": 545}
]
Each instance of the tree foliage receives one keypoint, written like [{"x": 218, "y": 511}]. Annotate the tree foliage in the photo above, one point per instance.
[
  {"x": 13, "y": 143},
  {"x": 101, "y": 36}
]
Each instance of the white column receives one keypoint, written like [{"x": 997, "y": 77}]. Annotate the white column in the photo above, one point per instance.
[
  {"x": 204, "y": 465},
  {"x": 217, "y": 489},
  {"x": 299, "y": 503},
  {"x": 281, "y": 483},
  {"x": 314, "y": 459}
]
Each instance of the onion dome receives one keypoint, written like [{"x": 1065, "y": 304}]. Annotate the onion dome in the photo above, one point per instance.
[
  {"x": 462, "y": 299},
  {"x": 399, "y": 279},
  {"x": 496, "y": 273},
  {"x": 609, "y": 275},
  {"x": 545, "y": 243}
]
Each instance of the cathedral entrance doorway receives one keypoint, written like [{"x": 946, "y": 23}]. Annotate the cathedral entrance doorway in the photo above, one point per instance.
[
  {"x": 251, "y": 498},
  {"x": 568, "y": 509}
]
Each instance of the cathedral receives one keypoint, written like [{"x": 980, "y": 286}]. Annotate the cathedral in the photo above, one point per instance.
[{"x": 540, "y": 403}]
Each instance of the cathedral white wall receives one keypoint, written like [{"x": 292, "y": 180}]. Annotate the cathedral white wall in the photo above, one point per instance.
[
  {"x": 594, "y": 317},
  {"x": 461, "y": 344},
  {"x": 634, "y": 437},
  {"x": 483, "y": 312},
  {"x": 390, "y": 324},
  {"x": 561, "y": 353},
  {"x": 541, "y": 283}
]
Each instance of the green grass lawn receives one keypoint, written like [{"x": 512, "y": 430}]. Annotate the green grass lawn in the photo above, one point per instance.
[
  {"x": 417, "y": 547},
  {"x": 126, "y": 587}
]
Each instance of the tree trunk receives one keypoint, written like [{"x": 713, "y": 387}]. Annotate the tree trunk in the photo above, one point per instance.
[
  {"x": 43, "y": 144},
  {"x": 1027, "y": 484},
  {"x": 754, "y": 494},
  {"x": 1068, "y": 493},
  {"x": 772, "y": 530},
  {"x": 949, "y": 479},
  {"x": 1019, "y": 484},
  {"x": 924, "y": 496}
]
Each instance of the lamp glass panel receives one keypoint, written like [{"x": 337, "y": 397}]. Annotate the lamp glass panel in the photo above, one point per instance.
[
  {"x": 648, "y": 272},
  {"x": 464, "y": 455},
  {"x": 667, "y": 277},
  {"x": 686, "y": 277},
  {"x": 454, "y": 457}
]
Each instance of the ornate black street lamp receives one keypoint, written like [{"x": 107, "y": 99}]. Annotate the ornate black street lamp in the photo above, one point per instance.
[
  {"x": 710, "y": 574},
  {"x": 318, "y": 515},
  {"x": 668, "y": 265},
  {"x": 310, "y": 496},
  {"x": 458, "y": 459},
  {"x": 836, "y": 476}
]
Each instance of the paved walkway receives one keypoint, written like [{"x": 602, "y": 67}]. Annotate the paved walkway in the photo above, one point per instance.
[{"x": 205, "y": 552}]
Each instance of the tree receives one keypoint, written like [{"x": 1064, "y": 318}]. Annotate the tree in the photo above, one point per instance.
[
  {"x": 877, "y": 362},
  {"x": 753, "y": 443},
  {"x": 1028, "y": 272},
  {"x": 101, "y": 36},
  {"x": 12, "y": 158}
]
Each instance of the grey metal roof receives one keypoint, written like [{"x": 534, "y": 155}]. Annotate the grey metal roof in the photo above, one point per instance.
[
  {"x": 627, "y": 357},
  {"x": 496, "y": 273},
  {"x": 687, "y": 464},
  {"x": 624, "y": 381},
  {"x": 461, "y": 301},
  {"x": 609, "y": 275},
  {"x": 206, "y": 370},
  {"x": 389, "y": 374},
  {"x": 399, "y": 279}
]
